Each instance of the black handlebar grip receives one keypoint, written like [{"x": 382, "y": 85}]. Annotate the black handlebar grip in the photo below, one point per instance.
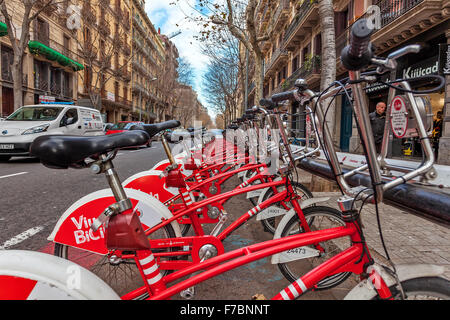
[
  {"x": 283, "y": 96},
  {"x": 360, "y": 38},
  {"x": 268, "y": 103},
  {"x": 358, "y": 53}
]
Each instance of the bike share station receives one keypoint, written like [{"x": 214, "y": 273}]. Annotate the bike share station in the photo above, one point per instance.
[{"x": 163, "y": 244}]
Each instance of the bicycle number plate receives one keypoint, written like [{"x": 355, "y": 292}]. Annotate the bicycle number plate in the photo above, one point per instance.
[
  {"x": 271, "y": 212},
  {"x": 297, "y": 254},
  {"x": 6, "y": 146}
]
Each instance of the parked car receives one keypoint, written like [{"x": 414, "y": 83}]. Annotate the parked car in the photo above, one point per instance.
[
  {"x": 107, "y": 126},
  {"x": 19, "y": 130},
  {"x": 124, "y": 126},
  {"x": 177, "y": 135}
]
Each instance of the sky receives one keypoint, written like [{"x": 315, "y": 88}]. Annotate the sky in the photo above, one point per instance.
[{"x": 171, "y": 18}]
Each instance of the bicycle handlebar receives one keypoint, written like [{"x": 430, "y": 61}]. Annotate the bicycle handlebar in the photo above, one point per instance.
[{"x": 358, "y": 53}]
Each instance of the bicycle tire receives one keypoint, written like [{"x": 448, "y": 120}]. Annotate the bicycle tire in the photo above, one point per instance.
[
  {"x": 433, "y": 287},
  {"x": 270, "y": 224},
  {"x": 127, "y": 274},
  {"x": 295, "y": 269}
]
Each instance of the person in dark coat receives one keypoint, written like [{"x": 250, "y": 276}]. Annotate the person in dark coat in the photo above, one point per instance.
[{"x": 377, "y": 120}]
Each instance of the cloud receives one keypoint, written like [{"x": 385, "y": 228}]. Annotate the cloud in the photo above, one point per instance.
[{"x": 172, "y": 18}]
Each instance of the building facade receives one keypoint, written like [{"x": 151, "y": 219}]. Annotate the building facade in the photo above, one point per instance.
[
  {"x": 148, "y": 58},
  {"x": 50, "y": 64},
  {"x": 294, "y": 51},
  {"x": 104, "y": 45}
]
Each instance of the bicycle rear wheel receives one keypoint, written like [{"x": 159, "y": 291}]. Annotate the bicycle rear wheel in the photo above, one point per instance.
[
  {"x": 319, "y": 218},
  {"x": 302, "y": 191}
]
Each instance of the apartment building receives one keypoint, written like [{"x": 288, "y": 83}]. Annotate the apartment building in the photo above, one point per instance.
[
  {"x": 104, "y": 46},
  {"x": 168, "y": 80},
  {"x": 294, "y": 51},
  {"x": 50, "y": 64},
  {"x": 148, "y": 57}
]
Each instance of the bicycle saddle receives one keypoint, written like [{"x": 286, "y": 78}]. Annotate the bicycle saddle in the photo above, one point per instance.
[
  {"x": 153, "y": 129},
  {"x": 61, "y": 152}
]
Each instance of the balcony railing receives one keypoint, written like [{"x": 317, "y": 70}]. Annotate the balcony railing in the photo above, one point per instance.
[
  {"x": 278, "y": 55},
  {"x": 299, "y": 18},
  {"x": 280, "y": 15},
  {"x": 311, "y": 66},
  {"x": 390, "y": 11}
]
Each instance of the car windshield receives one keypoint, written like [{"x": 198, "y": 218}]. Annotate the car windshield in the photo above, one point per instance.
[
  {"x": 122, "y": 126},
  {"x": 35, "y": 114}
]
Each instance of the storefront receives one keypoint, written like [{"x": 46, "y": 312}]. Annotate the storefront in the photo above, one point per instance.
[{"x": 429, "y": 61}]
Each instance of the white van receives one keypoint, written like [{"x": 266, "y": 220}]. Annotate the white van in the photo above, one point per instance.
[{"x": 19, "y": 130}]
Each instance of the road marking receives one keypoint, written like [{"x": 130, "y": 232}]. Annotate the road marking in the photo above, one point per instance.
[
  {"x": 12, "y": 175},
  {"x": 21, "y": 237}
]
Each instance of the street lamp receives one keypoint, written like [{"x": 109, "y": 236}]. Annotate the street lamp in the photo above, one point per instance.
[{"x": 140, "y": 99}]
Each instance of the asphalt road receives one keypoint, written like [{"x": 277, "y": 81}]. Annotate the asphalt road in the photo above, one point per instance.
[{"x": 33, "y": 198}]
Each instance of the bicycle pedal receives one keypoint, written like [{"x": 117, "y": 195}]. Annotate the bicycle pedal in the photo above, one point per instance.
[{"x": 188, "y": 294}]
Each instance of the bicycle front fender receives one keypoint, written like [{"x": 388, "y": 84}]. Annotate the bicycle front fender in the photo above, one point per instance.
[
  {"x": 282, "y": 224},
  {"x": 151, "y": 182},
  {"x": 32, "y": 275},
  {"x": 73, "y": 228},
  {"x": 366, "y": 290}
]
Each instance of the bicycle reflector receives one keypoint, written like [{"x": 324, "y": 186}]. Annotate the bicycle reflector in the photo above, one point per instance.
[{"x": 175, "y": 179}]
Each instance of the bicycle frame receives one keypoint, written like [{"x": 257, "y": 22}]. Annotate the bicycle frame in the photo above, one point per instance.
[{"x": 352, "y": 259}]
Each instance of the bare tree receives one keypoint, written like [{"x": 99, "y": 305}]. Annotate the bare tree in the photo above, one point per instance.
[
  {"x": 239, "y": 18},
  {"x": 19, "y": 35},
  {"x": 221, "y": 81}
]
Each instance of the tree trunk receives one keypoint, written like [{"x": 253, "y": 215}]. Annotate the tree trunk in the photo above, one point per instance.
[
  {"x": 328, "y": 75},
  {"x": 328, "y": 65},
  {"x": 17, "y": 76}
]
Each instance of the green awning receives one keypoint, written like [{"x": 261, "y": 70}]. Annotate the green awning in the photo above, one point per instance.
[
  {"x": 39, "y": 48},
  {"x": 3, "y": 29}
]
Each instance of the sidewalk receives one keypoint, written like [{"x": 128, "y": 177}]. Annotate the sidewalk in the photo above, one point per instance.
[{"x": 409, "y": 238}]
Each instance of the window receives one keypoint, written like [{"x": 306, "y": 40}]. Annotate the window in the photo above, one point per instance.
[
  {"x": 42, "y": 31},
  {"x": 318, "y": 45},
  {"x": 295, "y": 64},
  {"x": 70, "y": 117},
  {"x": 7, "y": 59}
]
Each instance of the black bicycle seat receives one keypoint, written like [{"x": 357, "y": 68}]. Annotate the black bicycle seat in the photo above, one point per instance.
[
  {"x": 61, "y": 152},
  {"x": 153, "y": 129}
]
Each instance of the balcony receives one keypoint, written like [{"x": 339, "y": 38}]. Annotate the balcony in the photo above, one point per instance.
[
  {"x": 400, "y": 21},
  {"x": 279, "y": 57},
  {"x": 280, "y": 16},
  {"x": 310, "y": 71},
  {"x": 302, "y": 24},
  {"x": 264, "y": 20},
  {"x": 103, "y": 27},
  {"x": 88, "y": 14}
]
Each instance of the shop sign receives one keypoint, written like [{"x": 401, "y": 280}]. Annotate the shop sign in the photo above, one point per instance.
[
  {"x": 424, "y": 68},
  {"x": 399, "y": 117},
  {"x": 444, "y": 59},
  {"x": 110, "y": 96},
  {"x": 44, "y": 99}
]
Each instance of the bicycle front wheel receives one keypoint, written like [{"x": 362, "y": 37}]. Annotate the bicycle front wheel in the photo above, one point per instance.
[
  {"x": 319, "y": 218},
  {"x": 122, "y": 275},
  {"x": 424, "y": 288}
]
